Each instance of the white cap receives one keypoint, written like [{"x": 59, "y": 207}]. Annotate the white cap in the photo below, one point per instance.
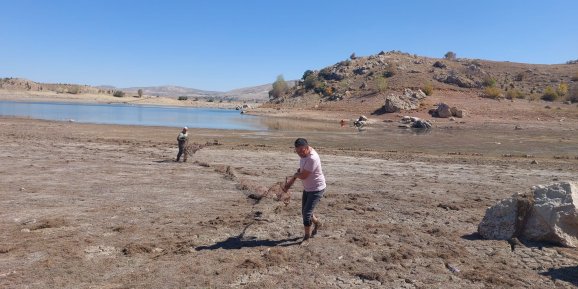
[{"x": 185, "y": 128}]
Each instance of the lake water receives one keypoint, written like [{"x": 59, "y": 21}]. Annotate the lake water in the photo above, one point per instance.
[
  {"x": 491, "y": 140},
  {"x": 126, "y": 114}
]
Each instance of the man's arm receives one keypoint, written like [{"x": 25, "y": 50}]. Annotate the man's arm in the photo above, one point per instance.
[{"x": 301, "y": 174}]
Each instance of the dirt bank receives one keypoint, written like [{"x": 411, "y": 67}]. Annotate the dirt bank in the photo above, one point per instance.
[{"x": 96, "y": 206}]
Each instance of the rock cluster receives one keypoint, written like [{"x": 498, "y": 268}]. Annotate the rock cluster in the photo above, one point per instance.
[
  {"x": 361, "y": 121},
  {"x": 409, "y": 100},
  {"x": 456, "y": 79},
  {"x": 415, "y": 122},
  {"x": 443, "y": 110},
  {"x": 549, "y": 214}
]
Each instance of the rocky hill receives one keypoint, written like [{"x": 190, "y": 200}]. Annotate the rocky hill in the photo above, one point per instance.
[
  {"x": 364, "y": 83},
  {"x": 21, "y": 84}
]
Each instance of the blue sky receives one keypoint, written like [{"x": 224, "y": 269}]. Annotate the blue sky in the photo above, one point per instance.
[{"x": 222, "y": 45}]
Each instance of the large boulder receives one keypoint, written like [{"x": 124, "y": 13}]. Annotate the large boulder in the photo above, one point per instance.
[
  {"x": 506, "y": 219},
  {"x": 409, "y": 100},
  {"x": 549, "y": 215},
  {"x": 443, "y": 110},
  {"x": 554, "y": 217}
]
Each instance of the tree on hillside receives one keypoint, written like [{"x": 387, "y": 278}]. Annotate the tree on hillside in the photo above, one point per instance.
[
  {"x": 139, "y": 93},
  {"x": 118, "y": 93},
  {"x": 450, "y": 55},
  {"x": 279, "y": 87},
  {"x": 306, "y": 74}
]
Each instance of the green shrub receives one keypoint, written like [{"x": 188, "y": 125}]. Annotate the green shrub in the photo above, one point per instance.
[
  {"x": 183, "y": 98},
  {"x": 118, "y": 93},
  {"x": 514, "y": 93},
  {"x": 319, "y": 87},
  {"x": 489, "y": 82},
  {"x": 310, "y": 82},
  {"x": 211, "y": 100},
  {"x": 562, "y": 89},
  {"x": 492, "y": 92},
  {"x": 381, "y": 84},
  {"x": 279, "y": 87},
  {"x": 428, "y": 89},
  {"x": 450, "y": 55},
  {"x": 549, "y": 94}
]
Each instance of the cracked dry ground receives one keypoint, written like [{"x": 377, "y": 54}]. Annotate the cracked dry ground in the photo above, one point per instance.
[{"x": 88, "y": 206}]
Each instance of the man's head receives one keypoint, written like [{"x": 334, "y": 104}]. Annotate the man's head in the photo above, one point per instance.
[
  {"x": 302, "y": 147},
  {"x": 185, "y": 129}
]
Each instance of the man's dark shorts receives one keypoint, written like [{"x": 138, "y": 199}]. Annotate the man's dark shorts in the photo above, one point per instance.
[{"x": 308, "y": 203}]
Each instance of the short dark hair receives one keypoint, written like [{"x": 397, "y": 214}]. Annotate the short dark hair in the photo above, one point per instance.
[{"x": 301, "y": 142}]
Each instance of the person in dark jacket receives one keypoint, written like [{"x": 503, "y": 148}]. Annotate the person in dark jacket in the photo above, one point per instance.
[{"x": 182, "y": 139}]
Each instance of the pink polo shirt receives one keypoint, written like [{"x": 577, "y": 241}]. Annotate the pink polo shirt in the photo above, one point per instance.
[{"x": 315, "y": 181}]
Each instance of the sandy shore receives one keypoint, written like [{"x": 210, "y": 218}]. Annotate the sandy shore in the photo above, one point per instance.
[
  {"x": 49, "y": 96},
  {"x": 104, "y": 206}
]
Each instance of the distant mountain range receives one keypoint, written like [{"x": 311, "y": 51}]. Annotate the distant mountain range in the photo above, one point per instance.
[
  {"x": 255, "y": 93},
  {"x": 260, "y": 93}
]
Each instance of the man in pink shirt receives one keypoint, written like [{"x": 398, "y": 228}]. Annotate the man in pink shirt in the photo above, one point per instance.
[{"x": 313, "y": 180}]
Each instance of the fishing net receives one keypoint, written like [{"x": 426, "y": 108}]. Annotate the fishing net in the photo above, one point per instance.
[{"x": 192, "y": 148}]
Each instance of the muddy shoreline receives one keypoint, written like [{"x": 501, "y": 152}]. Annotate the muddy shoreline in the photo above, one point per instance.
[{"x": 105, "y": 206}]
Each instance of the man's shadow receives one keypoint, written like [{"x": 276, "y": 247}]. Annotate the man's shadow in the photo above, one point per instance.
[
  {"x": 164, "y": 161},
  {"x": 239, "y": 242},
  {"x": 568, "y": 274}
]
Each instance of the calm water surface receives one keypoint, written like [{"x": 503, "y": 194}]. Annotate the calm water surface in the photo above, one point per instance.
[{"x": 126, "y": 114}]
